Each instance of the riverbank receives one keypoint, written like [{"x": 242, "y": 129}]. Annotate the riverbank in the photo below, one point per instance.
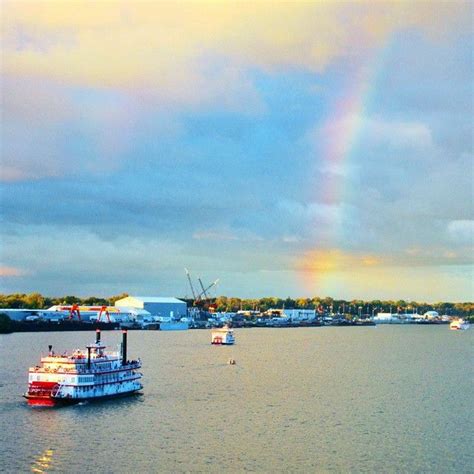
[{"x": 50, "y": 326}]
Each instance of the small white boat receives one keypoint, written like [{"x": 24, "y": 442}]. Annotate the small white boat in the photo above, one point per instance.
[
  {"x": 459, "y": 325},
  {"x": 222, "y": 336}
]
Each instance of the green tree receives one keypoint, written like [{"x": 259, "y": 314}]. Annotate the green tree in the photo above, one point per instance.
[
  {"x": 70, "y": 300},
  {"x": 289, "y": 303},
  {"x": 221, "y": 303},
  {"x": 34, "y": 300},
  {"x": 15, "y": 301},
  {"x": 302, "y": 303},
  {"x": 95, "y": 301},
  {"x": 113, "y": 299},
  {"x": 233, "y": 304}
]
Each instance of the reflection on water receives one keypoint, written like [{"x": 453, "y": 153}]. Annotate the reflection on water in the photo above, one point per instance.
[
  {"x": 380, "y": 399},
  {"x": 43, "y": 462}
]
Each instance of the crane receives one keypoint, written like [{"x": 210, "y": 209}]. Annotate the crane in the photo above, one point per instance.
[
  {"x": 200, "y": 299},
  {"x": 202, "y": 288},
  {"x": 190, "y": 284},
  {"x": 104, "y": 310},
  {"x": 74, "y": 310},
  {"x": 205, "y": 290}
]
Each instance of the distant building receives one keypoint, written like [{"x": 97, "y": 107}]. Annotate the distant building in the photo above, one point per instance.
[
  {"x": 124, "y": 315},
  {"x": 274, "y": 312},
  {"x": 21, "y": 314},
  {"x": 395, "y": 318},
  {"x": 156, "y": 305},
  {"x": 300, "y": 314},
  {"x": 248, "y": 313}
]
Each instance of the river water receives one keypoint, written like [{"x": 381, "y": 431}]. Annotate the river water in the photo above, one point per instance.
[{"x": 347, "y": 399}]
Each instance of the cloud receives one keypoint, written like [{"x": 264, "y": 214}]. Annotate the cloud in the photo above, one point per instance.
[
  {"x": 461, "y": 231},
  {"x": 133, "y": 263},
  {"x": 214, "y": 235},
  {"x": 332, "y": 260},
  {"x": 374, "y": 132},
  {"x": 160, "y": 51},
  {"x": 398, "y": 134},
  {"x": 183, "y": 123},
  {"x": 92, "y": 263},
  {"x": 241, "y": 235},
  {"x": 394, "y": 282},
  {"x": 8, "y": 272},
  {"x": 307, "y": 212},
  {"x": 160, "y": 46},
  {"x": 420, "y": 274},
  {"x": 89, "y": 81}
]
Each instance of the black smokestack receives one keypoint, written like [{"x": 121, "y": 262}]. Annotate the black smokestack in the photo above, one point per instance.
[
  {"x": 97, "y": 336},
  {"x": 124, "y": 347},
  {"x": 88, "y": 357}
]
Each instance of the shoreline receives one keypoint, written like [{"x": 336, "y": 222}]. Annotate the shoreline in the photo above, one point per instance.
[{"x": 68, "y": 326}]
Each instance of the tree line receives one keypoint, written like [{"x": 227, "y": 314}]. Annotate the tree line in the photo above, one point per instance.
[
  {"x": 357, "y": 306},
  {"x": 228, "y": 304},
  {"x": 38, "y": 301}
]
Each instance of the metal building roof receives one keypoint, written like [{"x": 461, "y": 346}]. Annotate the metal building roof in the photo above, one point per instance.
[
  {"x": 157, "y": 299},
  {"x": 135, "y": 311}
]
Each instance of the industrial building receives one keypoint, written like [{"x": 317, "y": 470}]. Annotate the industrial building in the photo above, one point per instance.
[
  {"x": 22, "y": 314},
  {"x": 156, "y": 306},
  {"x": 300, "y": 314}
]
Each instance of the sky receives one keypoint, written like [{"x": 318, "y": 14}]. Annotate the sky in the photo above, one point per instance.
[{"x": 286, "y": 148}]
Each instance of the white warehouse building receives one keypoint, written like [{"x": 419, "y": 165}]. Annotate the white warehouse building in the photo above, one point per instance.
[
  {"x": 300, "y": 314},
  {"x": 156, "y": 306}
]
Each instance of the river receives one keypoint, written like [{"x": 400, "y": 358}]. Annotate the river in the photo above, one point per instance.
[{"x": 343, "y": 399}]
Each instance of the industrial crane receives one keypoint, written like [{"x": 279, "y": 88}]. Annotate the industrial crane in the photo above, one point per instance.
[
  {"x": 190, "y": 284},
  {"x": 205, "y": 290},
  {"x": 200, "y": 299}
]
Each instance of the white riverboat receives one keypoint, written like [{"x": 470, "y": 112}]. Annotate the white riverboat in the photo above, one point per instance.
[
  {"x": 459, "y": 324},
  {"x": 93, "y": 374},
  {"x": 222, "y": 336}
]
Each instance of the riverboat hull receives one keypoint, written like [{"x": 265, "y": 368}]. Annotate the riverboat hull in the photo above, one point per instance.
[
  {"x": 35, "y": 401},
  {"x": 460, "y": 327},
  {"x": 48, "y": 401}
]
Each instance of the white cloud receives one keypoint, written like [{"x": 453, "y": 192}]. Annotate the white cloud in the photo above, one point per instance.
[
  {"x": 398, "y": 134},
  {"x": 160, "y": 45},
  {"x": 308, "y": 212},
  {"x": 242, "y": 235},
  {"x": 373, "y": 131},
  {"x": 461, "y": 231}
]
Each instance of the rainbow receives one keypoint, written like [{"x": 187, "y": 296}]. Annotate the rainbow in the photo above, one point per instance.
[{"x": 340, "y": 135}]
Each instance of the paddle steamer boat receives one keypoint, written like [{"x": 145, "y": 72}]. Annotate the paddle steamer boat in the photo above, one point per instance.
[
  {"x": 222, "y": 336},
  {"x": 459, "y": 324},
  {"x": 93, "y": 374}
]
